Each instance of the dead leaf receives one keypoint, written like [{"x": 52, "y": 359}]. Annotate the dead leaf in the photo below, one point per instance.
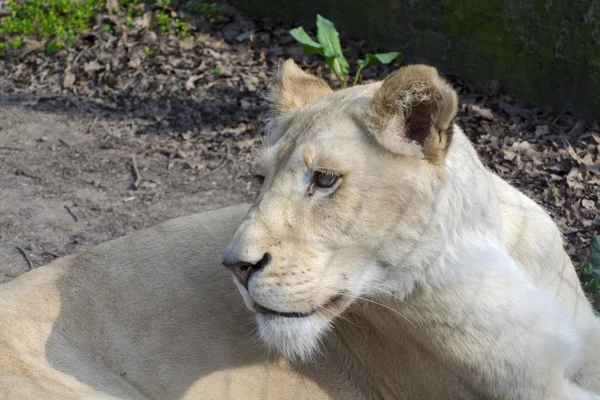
[
  {"x": 508, "y": 154},
  {"x": 68, "y": 80},
  {"x": 588, "y": 204},
  {"x": 480, "y": 112},
  {"x": 249, "y": 83},
  {"x": 145, "y": 21},
  {"x": 190, "y": 84},
  {"x": 112, "y": 6},
  {"x": 149, "y": 37},
  {"x": 573, "y": 153},
  {"x": 521, "y": 146},
  {"x": 135, "y": 62},
  {"x": 92, "y": 66},
  {"x": 187, "y": 43},
  {"x": 574, "y": 179},
  {"x": 31, "y": 46}
]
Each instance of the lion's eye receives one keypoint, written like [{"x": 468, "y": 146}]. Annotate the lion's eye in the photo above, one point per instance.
[
  {"x": 324, "y": 179},
  {"x": 260, "y": 179}
]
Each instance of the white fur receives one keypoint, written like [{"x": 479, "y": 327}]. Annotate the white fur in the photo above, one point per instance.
[
  {"x": 454, "y": 285},
  {"x": 423, "y": 236}
]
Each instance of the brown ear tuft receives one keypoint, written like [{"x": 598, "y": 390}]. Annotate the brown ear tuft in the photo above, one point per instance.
[
  {"x": 413, "y": 112},
  {"x": 296, "y": 88}
]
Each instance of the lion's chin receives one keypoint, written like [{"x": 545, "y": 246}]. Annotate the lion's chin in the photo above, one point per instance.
[{"x": 293, "y": 338}]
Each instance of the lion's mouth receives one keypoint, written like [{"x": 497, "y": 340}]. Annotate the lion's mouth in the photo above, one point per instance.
[{"x": 264, "y": 310}]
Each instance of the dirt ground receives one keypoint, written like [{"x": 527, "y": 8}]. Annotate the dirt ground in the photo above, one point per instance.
[
  {"x": 188, "y": 111},
  {"x": 64, "y": 189}
]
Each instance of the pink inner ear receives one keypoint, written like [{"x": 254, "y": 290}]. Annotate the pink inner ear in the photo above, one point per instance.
[{"x": 419, "y": 120}]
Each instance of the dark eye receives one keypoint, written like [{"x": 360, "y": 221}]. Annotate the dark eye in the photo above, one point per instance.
[
  {"x": 260, "y": 179},
  {"x": 324, "y": 179}
]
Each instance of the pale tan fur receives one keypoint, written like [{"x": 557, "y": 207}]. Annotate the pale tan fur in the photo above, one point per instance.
[
  {"x": 295, "y": 88},
  {"x": 155, "y": 316},
  {"x": 415, "y": 99}
]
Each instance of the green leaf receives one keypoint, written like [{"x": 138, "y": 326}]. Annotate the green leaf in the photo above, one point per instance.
[
  {"x": 329, "y": 38},
  {"x": 309, "y": 46},
  {"x": 592, "y": 286},
  {"x": 586, "y": 270},
  {"x": 380, "y": 58},
  {"x": 595, "y": 254}
]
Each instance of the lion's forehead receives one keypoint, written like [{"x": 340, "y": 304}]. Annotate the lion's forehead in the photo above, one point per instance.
[{"x": 340, "y": 123}]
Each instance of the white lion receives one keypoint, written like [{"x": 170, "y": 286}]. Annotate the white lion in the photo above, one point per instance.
[
  {"x": 374, "y": 194},
  {"x": 381, "y": 260}
]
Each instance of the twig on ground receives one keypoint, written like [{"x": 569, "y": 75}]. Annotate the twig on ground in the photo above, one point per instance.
[
  {"x": 64, "y": 142},
  {"x": 91, "y": 125},
  {"x": 51, "y": 254},
  {"x": 225, "y": 158},
  {"x": 71, "y": 213},
  {"x": 136, "y": 171},
  {"x": 29, "y": 263},
  {"x": 28, "y": 175}
]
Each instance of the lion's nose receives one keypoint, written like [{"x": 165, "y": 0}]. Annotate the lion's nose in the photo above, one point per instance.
[{"x": 243, "y": 270}]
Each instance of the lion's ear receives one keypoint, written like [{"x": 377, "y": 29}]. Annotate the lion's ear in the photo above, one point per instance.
[
  {"x": 295, "y": 88},
  {"x": 413, "y": 113}
]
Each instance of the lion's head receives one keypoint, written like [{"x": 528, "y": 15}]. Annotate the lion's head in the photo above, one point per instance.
[{"x": 345, "y": 207}]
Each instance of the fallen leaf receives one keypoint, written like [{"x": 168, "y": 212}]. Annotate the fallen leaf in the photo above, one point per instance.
[
  {"x": 68, "y": 80},
  {"x": 92, "y": 66},
  {"x": 574, "y": 179},
  {"x": 187, "y": 43},
  {"x": 149, "y": 37},
  {"x": 573, "y": 153},
  {"x": 31, "y": 46},
  {"x": 144, "y": 21},
  {"x": 135, "y": 62},
  {"x": 190, "y": 84},
  {"x": 112, "y": 6},
  {"x": 588, "y": 204},
  {"x": 480, "y": 112}
]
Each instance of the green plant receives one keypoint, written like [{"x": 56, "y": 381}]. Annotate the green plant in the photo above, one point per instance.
[
  {"x": 181, "y": 29},
  {"x": 2, "y": 50},
  {"x": 329, "y": 46},
  {"x": 56, "y": 20},
  {"x": 163, "y": 19},
  {"x": 590, "y": 272},
  {"x": 374, "y": 59},
  {"x": 209, "y": 11},
  {"x": 131, "y": 9},
  {"x": 148, "y": 50},
  {"x": 167, "y": 24},
  {"x": 108, "y": 29},
  {"x": 16, "y": 43},
  {"x": 53, "y": 47},
  {"x": 215, "y": 71}
]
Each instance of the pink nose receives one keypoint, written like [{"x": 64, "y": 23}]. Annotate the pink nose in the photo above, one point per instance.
[{"x": 243, "y": 270}]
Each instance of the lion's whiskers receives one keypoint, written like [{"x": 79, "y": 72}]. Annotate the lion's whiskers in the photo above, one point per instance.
[{"x": 357, "y": 297}]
